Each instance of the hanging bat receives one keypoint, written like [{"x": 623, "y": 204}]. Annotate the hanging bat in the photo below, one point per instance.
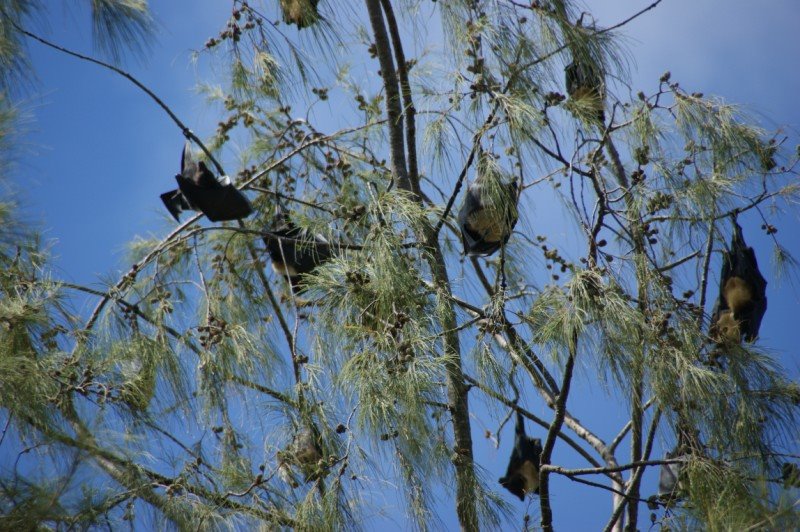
[
  {"x": 292, "y": 252},
  {"x": 672, "y": 481},
  {"x": 303, "y": 13},
  {"x": 585, "y": 83},
  {"x": 522, "y": 475},
  {"x": 199, "y": 190},
  {"x": 669, "y": 476},
  {"x": 742, "y": 299},
  {"x": 303, "y": 452},
  {"x": 487, "y": 217}
]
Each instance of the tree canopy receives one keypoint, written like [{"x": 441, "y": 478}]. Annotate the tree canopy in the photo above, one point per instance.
[{"x": 418, "y": 229}]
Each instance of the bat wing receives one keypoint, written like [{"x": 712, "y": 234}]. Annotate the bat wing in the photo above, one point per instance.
[
  {"x": 743, "y": 264},
  {"x": 175, "y": 203},
  {"x": 668, "y": 477},
  {"x": 219, "y": 204},
  {"x": 471, "y": 204},
  {"x": 312, "y": 254},
  {"x": 196, "y": 171},
  {"x": 188, "y": 164},
  {"x": 726, "y": 272},
  {"x": 291, "y": 255},
  {"x": 513, "y": 483},
  {"x": 752, "y": 325},
  {"x": 205, "y": 178},
  {"x": 230, "y": 204}
]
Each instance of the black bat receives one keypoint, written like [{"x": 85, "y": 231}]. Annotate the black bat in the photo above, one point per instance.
[
  {"x": 293, "y": 252},
  {"x": 176, "y": 203},
  {"x": 487, "y": 217},
  {"x": 303, "y": 13},
  {"x": 199, "y": 190},
  {"x": 742, "y": 299},
  {"x": 584, "y": 82},
  {"x": 522, "y": 475}
]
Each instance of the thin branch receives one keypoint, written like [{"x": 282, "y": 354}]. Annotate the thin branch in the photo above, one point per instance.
[
  {"x": 405, "y": 88},
  {"x": 539, "y": 421},
  {"x": 393, "y": 102},
  {"x": 186, "y": 131},
  {"x": 633, "y": 484},
  {"x": 549, "y": 444}
]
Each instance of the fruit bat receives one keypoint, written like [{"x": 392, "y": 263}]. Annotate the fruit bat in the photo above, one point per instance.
[
  {"x": 303, "y": 452},
  {"x": 487, "y": 216},
  {"x": 585, "y": 83},
  {"x": 522, "y": 475},
  {"x": 672, "y": 477},
  {"x": 292, "y": 252},
  {"x": 669, "y": 476},
  {"x": 303, "y": 13},
  {"x": 742, "y": 299},
  {"x": 199, "y": 190}
]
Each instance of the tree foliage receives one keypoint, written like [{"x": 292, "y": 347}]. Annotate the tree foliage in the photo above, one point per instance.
[{"x": 202, "y": 390}]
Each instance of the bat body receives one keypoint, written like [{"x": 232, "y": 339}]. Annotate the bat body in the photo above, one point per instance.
[
  {"x": 669, "y": 477},
  {"x": 303, "y": 13},
  {"x": 293, "y": 253},
  {"x": 742, "y": 299},
  {"x": 584, "y": 83},
  {"x": 522, "y": 475},
  {"x": 199, "y": 190},
  {"x": 487, "y": 217},
  {"x": 303, "y": 452}
]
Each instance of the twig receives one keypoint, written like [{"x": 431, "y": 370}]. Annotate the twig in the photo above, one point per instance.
[
  {"x": 186, "y": 131},
  {"x": 549, "y": 444},
  {"x": 539, "y": 421}
]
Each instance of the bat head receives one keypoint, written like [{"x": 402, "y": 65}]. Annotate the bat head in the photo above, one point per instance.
[
  {"x": 515, "y": 484},
  {"x": 582, "y": 76},
  {"x": 303, "y": 13}
]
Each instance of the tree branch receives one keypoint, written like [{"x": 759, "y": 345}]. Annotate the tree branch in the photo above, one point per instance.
[{"x": 549, "y": 444}]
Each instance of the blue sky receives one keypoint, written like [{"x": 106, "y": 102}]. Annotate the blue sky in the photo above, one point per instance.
[{"x": 96, "y": 152}]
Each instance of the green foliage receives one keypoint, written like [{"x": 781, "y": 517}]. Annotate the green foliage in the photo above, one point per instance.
[
  {"x": 121, "y": 25},
  {"x": 184, "y": 388}
]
